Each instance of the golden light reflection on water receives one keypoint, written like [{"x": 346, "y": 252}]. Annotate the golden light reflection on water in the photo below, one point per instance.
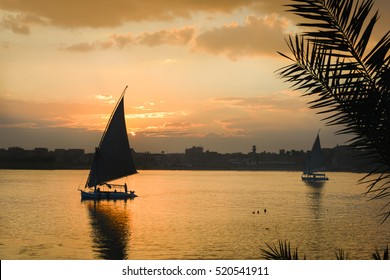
[
  {"x": 186, "y": 215},
  {"x": 111, "y": 228}
]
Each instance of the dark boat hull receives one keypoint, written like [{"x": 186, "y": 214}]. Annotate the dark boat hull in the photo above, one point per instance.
[
  {"x": 314, "y": 177},
  {"x": 106, "y": 195}
]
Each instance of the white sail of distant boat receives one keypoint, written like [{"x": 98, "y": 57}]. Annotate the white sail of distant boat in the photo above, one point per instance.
[
  {"x": 315, "y": 163},
  {"x": 113, "y": 160}
]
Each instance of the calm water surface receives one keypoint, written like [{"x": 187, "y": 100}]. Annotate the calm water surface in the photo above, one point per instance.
[{"x": 186, "y": 215}]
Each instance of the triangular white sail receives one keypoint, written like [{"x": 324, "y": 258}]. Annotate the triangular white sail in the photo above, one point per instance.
[{"x": 113, "y": 158}]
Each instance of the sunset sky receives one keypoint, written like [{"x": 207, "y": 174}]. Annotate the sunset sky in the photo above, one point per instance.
[{"x": 199, "y": 72}]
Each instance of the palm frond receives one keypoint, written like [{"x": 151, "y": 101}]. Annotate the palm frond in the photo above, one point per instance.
[
  {"x": 280, "y": 252},
  {"x": 350, "y": 86},
  {"x": 377, "y": 255},
  {"x": 341, "y": 255}
]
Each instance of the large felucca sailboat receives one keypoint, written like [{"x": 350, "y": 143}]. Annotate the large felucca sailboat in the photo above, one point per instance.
[
  {"x": 113, "y": 160},
  {"x": 314, "y": 163}
]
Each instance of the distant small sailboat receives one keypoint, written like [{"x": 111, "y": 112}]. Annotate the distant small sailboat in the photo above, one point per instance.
[
  {"x": 113, "y": 160},
  {"x": 314, "y": 163}
]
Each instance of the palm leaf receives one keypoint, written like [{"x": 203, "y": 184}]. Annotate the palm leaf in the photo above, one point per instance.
[
  {"x": 280, "y": 252},
  {"x": 348, "y": 84},
  {"x": 377, "y": 256},
  {"x": 341, "y": 255}
]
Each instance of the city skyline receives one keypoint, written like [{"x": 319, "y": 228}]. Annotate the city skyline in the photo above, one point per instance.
[
  {"x": 250, "y": 149},
  {"x": 199, "y": 73},
  {"x": 339, "y": 158}
]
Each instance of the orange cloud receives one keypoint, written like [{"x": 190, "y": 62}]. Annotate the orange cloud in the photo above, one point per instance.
[
  {"x": 176, "y": 129},
  {"x": 18, "y": 113},
  {"x": 21, "y": 23},
  {"x": 106, "y": 98},
  {"x": 87, "y": 47},
  {"x": 161, "y": 37},
  {"x": 122, "y": 41},
  {"x": 156, "y": 115},
  {"x": 281, "y": 101},
  {"x": 251, "y": 116},
  {"x": 21, "y": 16},
  {"x": 258, "y": 35},
  {"x": 171, "y": 37},
  {"x": 109, "y": 13}
]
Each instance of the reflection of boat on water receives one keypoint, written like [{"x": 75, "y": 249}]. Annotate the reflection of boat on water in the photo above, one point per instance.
[
  {"x": 111, "y": 231},
  {"x": 316, "y": 184},
  {"x": 314, "y": 164},
  {"x": 113, "y": 160}
]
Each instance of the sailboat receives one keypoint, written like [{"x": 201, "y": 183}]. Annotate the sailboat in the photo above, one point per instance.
[
  {"x": 314, "y": 163},
  {"x": 112, "y": 160}
]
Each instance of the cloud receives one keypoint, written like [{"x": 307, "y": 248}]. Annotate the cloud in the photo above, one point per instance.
[
  {"x": 170, "y": 37},
  {"x": 226, "y": 122},
  {"x": 237, "y": 127},
  {"x": 156, "y": 115},
  {"x": 279, "y": 7},
  {"x": 103, "y": 97},
  {"x": 110, "y": 13},
  {"x": 172, "y": 130},
  {"x": 28, "y": 114},
  {"x": 280, "y": 101},
  {"x": 184, "y": 125},
  {"x": 122, "y": 41},
  {"x": 158, "y": 133},
  {"x": 260, "y": 34},
  {"x": 21, "y": 23},
  {"x": 238, "y": 116},
  {"x": 151, "y": 39},
  {"x": 106, "y": 98},
  {"x": 256, "y": 36},
  {"x": 87, "y": 47}
]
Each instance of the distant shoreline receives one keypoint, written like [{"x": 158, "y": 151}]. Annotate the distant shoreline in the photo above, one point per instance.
[
  {"x": 187, "y": 169},
  {"x": 339, "y": 158}
]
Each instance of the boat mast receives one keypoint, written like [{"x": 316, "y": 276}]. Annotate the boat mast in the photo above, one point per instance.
[{"x": 90, "y": 171}]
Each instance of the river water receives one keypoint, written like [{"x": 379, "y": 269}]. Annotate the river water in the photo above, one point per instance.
[{"x": 187, "y": 215}]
